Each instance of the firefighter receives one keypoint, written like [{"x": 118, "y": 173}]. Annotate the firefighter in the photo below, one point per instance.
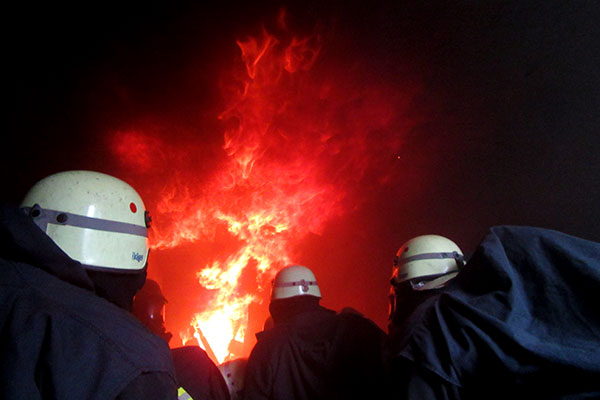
[
  {"x": 149, "y": 307},
  {"x": 515, "y": 322},
  {"x": 312, "y": 352},
  {"x": 197, "y": 375},
  {"x": 422, "y": 267},
  {"x": 72, "y": 258}
]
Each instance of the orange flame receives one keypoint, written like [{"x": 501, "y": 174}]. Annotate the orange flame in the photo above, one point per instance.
[
  {"x": 297, "y": 144},
  {"x": 272, "y": 209}
]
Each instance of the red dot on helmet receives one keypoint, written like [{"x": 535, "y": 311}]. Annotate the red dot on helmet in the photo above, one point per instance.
[{"x": 132, "y": 207}]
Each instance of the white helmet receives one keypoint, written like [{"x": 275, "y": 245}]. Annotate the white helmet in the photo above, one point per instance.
[
  {"x": 427, "y": 261},
  {"x": 233, "y": 372},
  {"x": 95, "y": 218},
  {"x": 295, "y": 280}
]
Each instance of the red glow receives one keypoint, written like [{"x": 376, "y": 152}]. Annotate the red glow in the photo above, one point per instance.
[
  {"x": 300, "y": 140},
  {"x": 133, "y": 148}
]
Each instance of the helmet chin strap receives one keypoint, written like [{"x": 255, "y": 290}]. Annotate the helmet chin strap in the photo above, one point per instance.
[
  {"x": 408, "y": 294},
  {"x": 435, "y": 283},
  {"x": 405, "y": 300}
]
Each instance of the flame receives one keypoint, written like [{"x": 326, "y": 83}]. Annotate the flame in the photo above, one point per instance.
[
  {"x": 272, "y": 200},
  {"x": 297, "y": 143}
]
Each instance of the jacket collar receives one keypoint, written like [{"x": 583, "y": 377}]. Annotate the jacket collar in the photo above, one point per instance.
[{"x": 23, "y": 241}]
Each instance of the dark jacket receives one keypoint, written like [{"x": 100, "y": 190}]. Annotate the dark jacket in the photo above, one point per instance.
[
  {"x": 59, "y": 339},
  {"x": 520, "y": 321},
  {"x": 198, "y": 374},
  {"x": 317, "y": 354}
]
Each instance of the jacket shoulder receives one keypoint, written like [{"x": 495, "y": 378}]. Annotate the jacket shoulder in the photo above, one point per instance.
[{"x": 72, "y": 335}]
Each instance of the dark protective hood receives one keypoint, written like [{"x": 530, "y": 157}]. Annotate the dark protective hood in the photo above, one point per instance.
[
  {"x": 283, "y": 310},
  {"x": 521, "y": 314},
  {"x": 23, "y": 241},
  {"x": 406, "y": 301}
]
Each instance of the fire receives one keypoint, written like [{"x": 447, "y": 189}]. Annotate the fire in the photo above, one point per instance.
[
  {"x": 269, "y": 201},
  {"x": 225, "y": 322},
  {"x": 298, "y": 141},
  {"x": 270, "y": 209}
]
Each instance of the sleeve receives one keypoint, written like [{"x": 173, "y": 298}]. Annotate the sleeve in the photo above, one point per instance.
[
  {"x": 150, "y": 386},
  {"x": 410, "y": 381},
  {"x": 198, "y": 374},
  {"x": 258, "y": 379}
]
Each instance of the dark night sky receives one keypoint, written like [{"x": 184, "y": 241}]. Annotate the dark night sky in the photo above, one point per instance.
[{"x": 511, "y": 95}]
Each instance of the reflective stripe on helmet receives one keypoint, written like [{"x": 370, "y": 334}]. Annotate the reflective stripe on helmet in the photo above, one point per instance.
[
  {"x": 430, "y": 256},
  {"x": 304, "y": 283},
  {"x": 183, "y": 395},
  {"x": 42, "y": 217}
]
